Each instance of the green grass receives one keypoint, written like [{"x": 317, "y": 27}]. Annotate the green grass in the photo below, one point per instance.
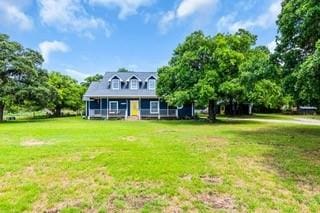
[{"x": 73, "y": 165}]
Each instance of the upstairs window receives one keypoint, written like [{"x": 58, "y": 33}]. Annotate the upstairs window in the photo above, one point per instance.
[
  {"x": 134, "y": 84},
  {"x": 115, "y": 84},
  {"x": 151, "y": 84}
]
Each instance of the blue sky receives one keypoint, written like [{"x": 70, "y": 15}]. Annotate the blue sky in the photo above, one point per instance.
[{"x": 84, "y": 37}]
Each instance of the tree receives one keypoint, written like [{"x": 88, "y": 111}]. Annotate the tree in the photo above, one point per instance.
[
  {"x": 298, "y": 32},
  {"x": 261, "y": 79},
  {"x": 65, "y": 93},
  {"x": 123, "y": 70},
  {"x": 308, "y": 79},
  {"x": 189, "y": 73},
  {"x": 19, "y": 73},
  {"x": 206, "y": 69},
  {"x": 87, "y": 81}
]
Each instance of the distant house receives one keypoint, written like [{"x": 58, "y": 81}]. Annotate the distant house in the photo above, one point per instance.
[{"x": 130, "y": 94}]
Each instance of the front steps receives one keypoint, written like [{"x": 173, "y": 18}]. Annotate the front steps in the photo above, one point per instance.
[{"x": 133, "y": 118}]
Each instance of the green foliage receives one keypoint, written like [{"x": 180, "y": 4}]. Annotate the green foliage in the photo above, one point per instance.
[
  {"x": 308, "y": 79},
  {"x": 206, "y": 69},
  {"x": 65, "y": 93},
  {"x": 116, "y": 166},
  {"x": 123, "y": 70},
  {"x": 87, "y": 81},
  {"x": 298, "y": 33},
  {"x": 21, "y": 78},
  {"x": 261, "y": 79}
]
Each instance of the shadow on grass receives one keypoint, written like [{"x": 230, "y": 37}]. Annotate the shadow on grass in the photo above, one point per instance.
[
  {"x": 294, "y": 153},
  {"x": 203, "y": 122}
]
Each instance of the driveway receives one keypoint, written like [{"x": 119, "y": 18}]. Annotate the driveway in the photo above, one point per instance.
[{"x": 302, "y": 121}]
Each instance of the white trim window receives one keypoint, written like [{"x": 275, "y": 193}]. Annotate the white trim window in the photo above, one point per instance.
[
  {"x": 113, "y": 107},
  {"x": 152, "y": 84},
  {"x": 134, "y": 83},
  {"x": 115, "y": 84},
  {"x": 154, "y": 107}
]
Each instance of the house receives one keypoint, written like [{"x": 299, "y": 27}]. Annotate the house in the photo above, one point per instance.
[{"x": 130, "y": 94}]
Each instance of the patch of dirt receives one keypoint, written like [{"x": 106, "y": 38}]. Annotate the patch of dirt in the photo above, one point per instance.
[
  {"x": 217, "y": 201},
  {"x": 32, "y": 142},
  {"x": 186, "y": 177},
  {"x": 309, "y": 188},
  {"x": 131, "y": 202},
  {"x": 129, "y": 138},
  {"x": 182, "y": 203},
  {"x": 211, "y": 179},
  {"x": 62, "y": 205}
]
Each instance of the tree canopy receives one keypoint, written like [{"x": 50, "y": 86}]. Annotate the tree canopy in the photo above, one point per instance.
[
  {"x": 205, "y": 69},
  {"x": 21, "y": 76},
  {"x": 66, "y": 93},
  {"x": 87, "y": 81},
  {"x": 299, "y": 30}
]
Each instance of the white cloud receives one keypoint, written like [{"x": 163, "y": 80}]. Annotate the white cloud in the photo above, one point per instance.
[
  {"x": 48, "y": 47},
  {"x": 79, "y": 76},
  {"x": 13, "y": 15},
  {"x": 70, "y": 15},
  {"x": 264, "y": 20},
  {"x": 166, "y": 21},
  {"x": 185, "y": 9},
  {"x": 127, "y": 7},
  {"x": 272, "y": 46},
  {"x": 189, "y": 7}
]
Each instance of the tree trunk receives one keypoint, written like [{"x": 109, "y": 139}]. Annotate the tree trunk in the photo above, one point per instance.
[
  {"x": 1, "y": 111},
  {"x": 212, "y": 111},
  {"x": 57, "y": 112}
]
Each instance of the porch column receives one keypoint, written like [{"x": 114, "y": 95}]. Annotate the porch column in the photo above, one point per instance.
[
  {"x": 107, "y": 108},
  {"x": 177, "y": 112},
  {"x": 89, "y": 109},
  {"x": 86, "y": 113},
  {"x": 192, "y": 108},
  {"x": 101, "y": 106},
  {"x": 159, "y": 109},
  {"x": 139, "y": 108}
]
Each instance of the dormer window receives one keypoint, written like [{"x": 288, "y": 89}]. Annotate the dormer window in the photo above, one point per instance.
[
  {"x": 115, "y": 84},
  {"x": 134, "y": 84},
  {"x": 151, "y": 84}
]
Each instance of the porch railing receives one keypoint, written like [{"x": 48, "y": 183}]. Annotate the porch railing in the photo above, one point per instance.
[
  {"x": 123, "y": 113},
  {"x": 106, "y": 113},
  {"x": 161, "y": 113}
]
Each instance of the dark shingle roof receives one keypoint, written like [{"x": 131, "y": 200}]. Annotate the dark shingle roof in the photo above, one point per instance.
[{"x": 102, "y": 89}]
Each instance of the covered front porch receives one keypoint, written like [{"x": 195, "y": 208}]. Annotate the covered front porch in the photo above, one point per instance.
[{"x": 123, "y": 108}]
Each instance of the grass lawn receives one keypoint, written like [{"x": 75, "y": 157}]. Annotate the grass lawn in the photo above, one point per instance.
[{"x": 73, "y": 165}]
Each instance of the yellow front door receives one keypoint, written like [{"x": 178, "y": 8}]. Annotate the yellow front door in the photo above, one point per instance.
[{"x": 134, "y": 108}]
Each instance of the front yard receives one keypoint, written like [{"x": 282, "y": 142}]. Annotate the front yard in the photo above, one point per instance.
[{"x": 73, "y": 165}]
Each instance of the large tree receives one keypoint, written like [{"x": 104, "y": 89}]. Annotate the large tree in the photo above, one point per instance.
[
  {"x": 65, "y": 93},
  {"x": 206, "y": 69},
  {"x": 87, "y": 81},
  {"x": 261, "y": 79},
  {"x": 187, "y": 77},
  {"x": 308, "y": 79},
  {"x": 298, "y": 32},
  {"x": 20, "y": 74}
]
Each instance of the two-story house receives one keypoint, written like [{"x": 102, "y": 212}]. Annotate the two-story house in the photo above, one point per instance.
[{"x": 130, "y": 94}]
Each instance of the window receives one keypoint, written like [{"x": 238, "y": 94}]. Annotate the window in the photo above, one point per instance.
[
  {"x": 115, "y": 84},
  {"x": 134, "y": 84},
  {"x": 154, "y": 107},
  {"x": 113, "y": 107},
  {"x": 152, "y": 84}
]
